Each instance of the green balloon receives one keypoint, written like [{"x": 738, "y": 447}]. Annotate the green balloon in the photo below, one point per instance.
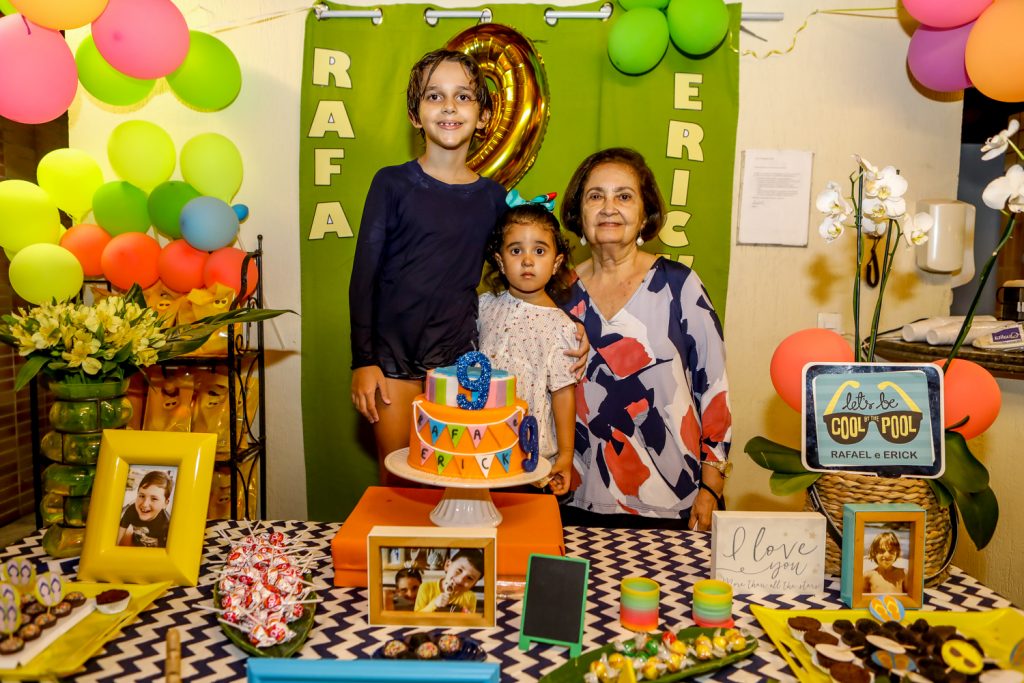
[
  {"x": 106, "y": 83},
  {"x": 210, "y": 77},
  {"x": 141, "y": 153},
  {"x": 41, "y": 272},
  {"x": 120, "y": 207},
  {"x": 638, "y": 40},
  {"x": 27, "y": 215},
  {"x": 165, "y": 204},
  {"x": 213, "y": 165},
  {"x": 71, "y": 177},
  {"x": 633, "y": 4},
  {"x": 7, "y": 8},
  {"x": 697, "y": 26}
]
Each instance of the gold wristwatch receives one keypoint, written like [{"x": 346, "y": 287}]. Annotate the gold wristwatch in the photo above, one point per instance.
[{"x": 724, "y": 468}]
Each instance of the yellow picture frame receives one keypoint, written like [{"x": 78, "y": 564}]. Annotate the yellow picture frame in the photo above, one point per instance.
[{"x": 191, "y": 457}]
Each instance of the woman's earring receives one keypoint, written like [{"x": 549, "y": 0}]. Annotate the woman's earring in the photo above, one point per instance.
[
  {"x": 583, "y": 240},
  {"x": 639, "y": 241}
]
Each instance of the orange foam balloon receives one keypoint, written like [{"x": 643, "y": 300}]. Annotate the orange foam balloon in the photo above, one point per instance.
[
  {"x": 86, "y": 242},
  {"x": 131, "y": 258},
  {"x": 813, "y": 345},
  {"x": 970, "y": 391},
  {"x": 181, "y": 266},
  {"x": 994, "y": 49}
]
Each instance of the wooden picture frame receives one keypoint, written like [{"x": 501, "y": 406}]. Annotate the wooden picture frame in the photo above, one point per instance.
[
  {"x": 170, "y": 547},
  {"x": 883, "y": 553},
  {"x": 435, "y": 557},
  {"x": 370, "y": 671}
]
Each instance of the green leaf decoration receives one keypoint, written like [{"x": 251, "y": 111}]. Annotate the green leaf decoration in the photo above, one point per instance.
[
  {"x": 942, "y": 494},
  {"x": 980, "y": 512},
  {"x": 32, "y": 366},
  {"x": 963, "y": 471},
  {"x": 774, "y": 456},
  {"x": 301, "y": 627},
  {"x": 783, "y": 484},
  {"x": 186, "y": 338},
  {"x": 573, "y": 670}
]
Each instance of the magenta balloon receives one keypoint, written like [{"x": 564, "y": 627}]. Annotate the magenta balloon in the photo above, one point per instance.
[
  {"x": 142, "y": 38},
  {"x": 945, "y": 13},
  {"x": 936, "y": 57},
  {"x": 38, "y": 77}
]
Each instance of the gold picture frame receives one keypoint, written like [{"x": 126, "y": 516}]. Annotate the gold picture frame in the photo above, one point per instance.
[
  {"x": 148, "y": 544},
  {"x": 455, "y": 569}
]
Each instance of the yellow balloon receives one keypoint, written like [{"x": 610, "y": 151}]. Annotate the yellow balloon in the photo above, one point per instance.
[
  {"x": 70, "y": 177},
  {"x": 141, "y": 153},
  {"x": 212, "y": 164},
  {"x": 519, "y": 111},
  {"x": 41, "y": 272},
  {"x": 60, "y": 15},
  {"x": 27, "y": 215}
]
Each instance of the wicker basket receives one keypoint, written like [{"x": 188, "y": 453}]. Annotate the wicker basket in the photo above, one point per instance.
[{"x": 835, "y": 490}]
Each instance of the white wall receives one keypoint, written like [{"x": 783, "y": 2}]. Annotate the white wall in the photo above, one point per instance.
[{"x": 843, "y": 89}]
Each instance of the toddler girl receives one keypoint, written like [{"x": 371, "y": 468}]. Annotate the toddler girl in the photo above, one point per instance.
[{"x": 523, "y": 331}]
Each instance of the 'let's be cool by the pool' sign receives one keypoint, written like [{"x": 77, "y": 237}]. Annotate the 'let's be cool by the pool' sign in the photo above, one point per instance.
[{"x": 769, "y": 552}]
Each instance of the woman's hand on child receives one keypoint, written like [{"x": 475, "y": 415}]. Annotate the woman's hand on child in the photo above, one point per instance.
[
  {"x": 579, "y": 353},
  {"x": 366, "y": 381}
]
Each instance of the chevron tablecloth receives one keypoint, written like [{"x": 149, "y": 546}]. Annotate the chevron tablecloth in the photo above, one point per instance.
[{"x": 674, "y": 559}]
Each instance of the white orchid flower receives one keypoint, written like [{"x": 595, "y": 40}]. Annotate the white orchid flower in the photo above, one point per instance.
[
  {"x": 1006, "y": 192},
  {"x": 869, "y": 169},
  {"x": 996, "y": 145},
  {"x": 875, "y": 218},
  {"x": 887, "y": 184},
  {"x": 831, "y": 201},
  {"x": 916, "y": 227},
  {"x": 832, "y": 227}
]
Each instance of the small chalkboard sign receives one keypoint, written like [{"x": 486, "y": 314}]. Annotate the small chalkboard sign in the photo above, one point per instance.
[{"x": 555, "y": 602}]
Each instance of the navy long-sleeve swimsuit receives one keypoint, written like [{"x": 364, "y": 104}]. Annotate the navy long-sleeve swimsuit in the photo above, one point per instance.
[{"x": 418, "y": 259}]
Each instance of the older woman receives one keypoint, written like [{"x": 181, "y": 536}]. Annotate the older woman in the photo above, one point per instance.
[{"x": 653, "y": 425}]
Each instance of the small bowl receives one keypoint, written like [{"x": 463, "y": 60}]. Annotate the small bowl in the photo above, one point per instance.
[{"x": 115, "y": 606}]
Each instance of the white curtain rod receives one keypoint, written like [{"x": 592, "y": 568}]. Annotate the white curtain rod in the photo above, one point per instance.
[{"x": 551, "y": 16}]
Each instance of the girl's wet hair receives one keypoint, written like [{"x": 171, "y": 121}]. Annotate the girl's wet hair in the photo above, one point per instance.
[
  {"x": 525, "y": 214},
  {"x": 157, "y": 478},
  {"x": 654, "y": 205},
  {"x": 885, "y": 540},
  {"x": 422, "y": 70}
]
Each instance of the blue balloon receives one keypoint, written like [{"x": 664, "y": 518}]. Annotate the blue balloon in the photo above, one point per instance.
[
  {"x": 208, "y": 223},
  {"x": 242, "y": 211}
]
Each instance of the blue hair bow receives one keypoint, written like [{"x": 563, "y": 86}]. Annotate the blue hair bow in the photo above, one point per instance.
[{"x": 546, "y": 200}]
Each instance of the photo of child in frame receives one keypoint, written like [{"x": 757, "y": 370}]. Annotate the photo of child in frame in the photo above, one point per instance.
[
  {"x": 453, "y": 591},
  {"x": 146, "y": 511},
  {"x": 887, "y": 547}
]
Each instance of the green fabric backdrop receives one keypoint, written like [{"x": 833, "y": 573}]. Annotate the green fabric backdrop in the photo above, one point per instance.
[{"x": 354, "y": 122}]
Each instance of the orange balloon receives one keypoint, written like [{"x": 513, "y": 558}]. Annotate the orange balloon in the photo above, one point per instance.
[
  {"x": 994, "y": 50},
  {"x": 814, "y": 345},
  {"x": 181, "y": 266},
  {"x": 225, "y": 266},
  {"x": 970, "y": 391},
  {"x": 86, "y": 242},
  {"x": 130, "y": 258}
]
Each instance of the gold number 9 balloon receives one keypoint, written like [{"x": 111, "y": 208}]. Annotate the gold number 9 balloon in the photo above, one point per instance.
[{"x": 519, "y": 100}]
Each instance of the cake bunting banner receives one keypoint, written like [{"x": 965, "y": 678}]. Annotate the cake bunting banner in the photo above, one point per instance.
[
  {"x": 456, "y": 432},
  {"x": 505, "y": 457},
  {"x": 421, "y": 418},
  {"x": 484, "y": 462},
  {"x": 477, "y": 434},
  {"x": 513, "y": 422},
  {"x": 436, "y": 429},
  {"x": 442, "y": 461},
  {"x": 425, "y": 453}
]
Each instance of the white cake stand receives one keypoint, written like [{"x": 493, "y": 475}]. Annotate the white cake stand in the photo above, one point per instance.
[{"x": 466, "y": 502}]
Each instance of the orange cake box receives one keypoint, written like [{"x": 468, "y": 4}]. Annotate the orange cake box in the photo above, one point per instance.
[{"x": 530, "y": 524}]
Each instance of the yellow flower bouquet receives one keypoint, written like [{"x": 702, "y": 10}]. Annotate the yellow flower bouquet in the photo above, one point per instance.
[{"x": 107, "y": 341}]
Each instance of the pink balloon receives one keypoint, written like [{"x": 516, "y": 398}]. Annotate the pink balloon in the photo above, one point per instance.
[
  {"x": 38, "y": 77},
  {"x": 142, "y": 38},
  {"x": 936, "y": 57},
  {"x": 946, "y": 13}
]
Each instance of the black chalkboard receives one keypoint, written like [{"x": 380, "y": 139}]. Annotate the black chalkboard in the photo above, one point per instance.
[{"x": 555, "y": 602}]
